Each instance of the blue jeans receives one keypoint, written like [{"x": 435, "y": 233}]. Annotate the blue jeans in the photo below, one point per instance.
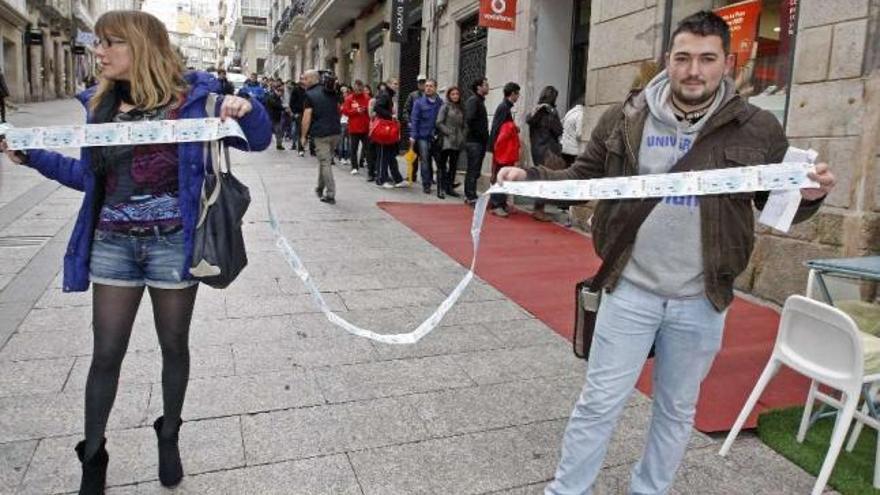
[
  {"x": 426, "y": 162},
  {"x": 687, "y": 335}
]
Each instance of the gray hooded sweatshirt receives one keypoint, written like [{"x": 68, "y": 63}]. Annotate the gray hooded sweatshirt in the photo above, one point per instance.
[{"x": 667, "y": 258}]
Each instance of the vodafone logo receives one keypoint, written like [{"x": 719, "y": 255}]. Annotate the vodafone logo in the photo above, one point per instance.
[{"x": 499, "y": 14}]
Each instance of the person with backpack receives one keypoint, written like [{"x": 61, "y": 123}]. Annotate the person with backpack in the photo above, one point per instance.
[
  {"x": 321, "y": 122},
  {"x": 423, "y": 120},
  {"x": 451, "y": 132}
]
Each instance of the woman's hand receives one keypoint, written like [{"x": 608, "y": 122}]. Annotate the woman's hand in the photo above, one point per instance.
[
  {"x": 14, "y": 157},
  {"x": 234, "y": 106}
]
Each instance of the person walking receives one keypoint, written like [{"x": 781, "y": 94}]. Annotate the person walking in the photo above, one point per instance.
[
  {"x": 451, "y": 131},
  {"x": 226, "y": 86},
  {"x": 477, "y": 138},
  {"x": 297, "y": 106},
  {"x": 321, "y": 122},
  {"x": 423, "y": 120},
  {"x": 275, "y": 109},
  {"x": 672, "y": 288},
  {"x": 503, "y": 146},
  {"x": 386, "y": 154},
  {"x": 356, "y": 108},
  {"x": 137, "y": 223},
  {"x": 545, "y": 129}
]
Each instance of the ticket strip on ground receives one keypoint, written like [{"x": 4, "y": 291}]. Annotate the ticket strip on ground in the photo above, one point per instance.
[{"x": 782, "y": 179}]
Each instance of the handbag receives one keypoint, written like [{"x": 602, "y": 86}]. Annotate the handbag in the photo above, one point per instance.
[
  {"x": 588, "y": 292},
  {"x": 384, "y": 131},
  {"x": 219, "y": 253}
]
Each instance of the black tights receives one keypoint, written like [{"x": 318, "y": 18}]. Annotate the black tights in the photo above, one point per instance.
[{"x": 114, "y": 310}]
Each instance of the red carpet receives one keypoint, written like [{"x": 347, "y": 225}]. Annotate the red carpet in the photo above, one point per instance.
[{"x": 538, "y": 264}]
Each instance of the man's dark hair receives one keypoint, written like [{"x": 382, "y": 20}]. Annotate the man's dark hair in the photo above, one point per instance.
[
  {"x": 704, "y": 23},
  {"x": 510, "y": 88},
  {"x": 476, "y": 83}
]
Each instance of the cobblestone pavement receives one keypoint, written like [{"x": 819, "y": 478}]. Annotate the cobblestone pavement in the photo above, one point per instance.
[{"x": 283, "y": 402}]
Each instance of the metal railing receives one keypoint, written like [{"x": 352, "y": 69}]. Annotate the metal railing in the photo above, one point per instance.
[{"x": 298, "y": 8}]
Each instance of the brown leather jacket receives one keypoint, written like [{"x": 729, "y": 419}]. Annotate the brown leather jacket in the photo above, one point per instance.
[{"x": 736, "y": 135}]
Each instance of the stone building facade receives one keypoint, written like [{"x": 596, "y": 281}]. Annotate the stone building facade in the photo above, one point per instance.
[{"x": 13, "y": 24}]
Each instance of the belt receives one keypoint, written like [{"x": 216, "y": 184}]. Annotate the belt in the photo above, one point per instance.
[{"x": 154, "y": 231}]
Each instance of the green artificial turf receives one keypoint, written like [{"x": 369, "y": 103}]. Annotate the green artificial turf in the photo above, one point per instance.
[{"x": 854, "y": 471}]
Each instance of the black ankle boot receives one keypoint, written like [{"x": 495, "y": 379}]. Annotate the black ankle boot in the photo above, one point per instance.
[
  {"x": 94, "y": 469},
  {"x": 170, "y": 468}
]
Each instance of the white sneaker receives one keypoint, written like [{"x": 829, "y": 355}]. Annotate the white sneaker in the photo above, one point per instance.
[
  {"x": 401, "y": 184},
  {"x": 388, "y": 185},
  {"x": 354, "y": 171}
]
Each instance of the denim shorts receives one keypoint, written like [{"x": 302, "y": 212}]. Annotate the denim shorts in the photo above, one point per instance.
[{"x": 125, "y": 260}]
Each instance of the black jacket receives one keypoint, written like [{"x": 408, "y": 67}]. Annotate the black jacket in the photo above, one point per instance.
[
  {"x": 502, "y": 115},
  {"x": 408, "y": 106},
  {"x": 274, "y": 107},
  {"x": 297, "y": 99},
  {"x": 384, "y": 106},
  {"x": 545, "y": 128},
  {"x": 226, "y": 87},
  {"x": 477, "y": 120}
]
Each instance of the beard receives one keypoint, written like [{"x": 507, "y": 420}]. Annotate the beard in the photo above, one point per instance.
[{"x": 693, "y": 100}]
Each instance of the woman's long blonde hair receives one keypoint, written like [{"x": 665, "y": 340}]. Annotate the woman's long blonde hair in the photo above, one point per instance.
[{"x": 156, "y": 71}]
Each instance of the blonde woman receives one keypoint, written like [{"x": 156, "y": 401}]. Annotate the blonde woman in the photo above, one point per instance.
[{"x": 136, "y": 225}]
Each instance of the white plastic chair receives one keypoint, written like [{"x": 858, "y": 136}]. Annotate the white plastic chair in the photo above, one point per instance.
[{"x": 824, "y": 344}]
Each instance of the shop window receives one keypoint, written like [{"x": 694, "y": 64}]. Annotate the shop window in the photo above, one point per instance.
[{"x": 762, "y": 40}]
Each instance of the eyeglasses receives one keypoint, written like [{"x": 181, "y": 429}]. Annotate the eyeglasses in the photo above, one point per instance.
[{"x": 108, "y": 42}]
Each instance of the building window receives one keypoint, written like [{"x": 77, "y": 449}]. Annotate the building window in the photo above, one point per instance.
[
  {"x": 580, "y": 46},
  {"x": 255, "y": 8},
  {"x": 262, "y": 40},
  {"x": 762, "y": 40}
]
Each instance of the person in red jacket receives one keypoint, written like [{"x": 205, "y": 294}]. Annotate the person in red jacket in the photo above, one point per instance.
[
  {"x": 504, "y": 143},
  {"x": 356, "y": 108}
]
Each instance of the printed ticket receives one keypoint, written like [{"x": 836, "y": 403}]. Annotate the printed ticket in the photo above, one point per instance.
[{"x": 121, "y": 133}]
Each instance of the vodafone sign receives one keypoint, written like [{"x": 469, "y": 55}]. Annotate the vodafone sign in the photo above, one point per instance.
[{"x": 498, "y": 14}]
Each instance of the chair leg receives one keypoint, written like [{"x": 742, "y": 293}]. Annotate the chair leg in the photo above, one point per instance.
[
  {"x": 769, "y": 372},
  {"x": 877, "y": 463},
  {"x": 856, "y": 431},
  {"x": 841, "y": 426},
  {"x": 808, "y": 411}
]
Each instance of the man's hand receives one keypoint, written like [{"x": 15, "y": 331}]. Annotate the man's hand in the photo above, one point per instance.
[
  {"x": 821, "y": 174},
  {"x": 13, "y": 156},
  {"x": 234, "y": 106},
  {"x": 511, "y": 174}
]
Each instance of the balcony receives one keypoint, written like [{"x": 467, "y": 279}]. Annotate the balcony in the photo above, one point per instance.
[
  {"x": 329, "y": 16},
  {"x": 289, "y": 32},
  {"x": 84, "y": 19},
  {"x": 14, "y": 11}
]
